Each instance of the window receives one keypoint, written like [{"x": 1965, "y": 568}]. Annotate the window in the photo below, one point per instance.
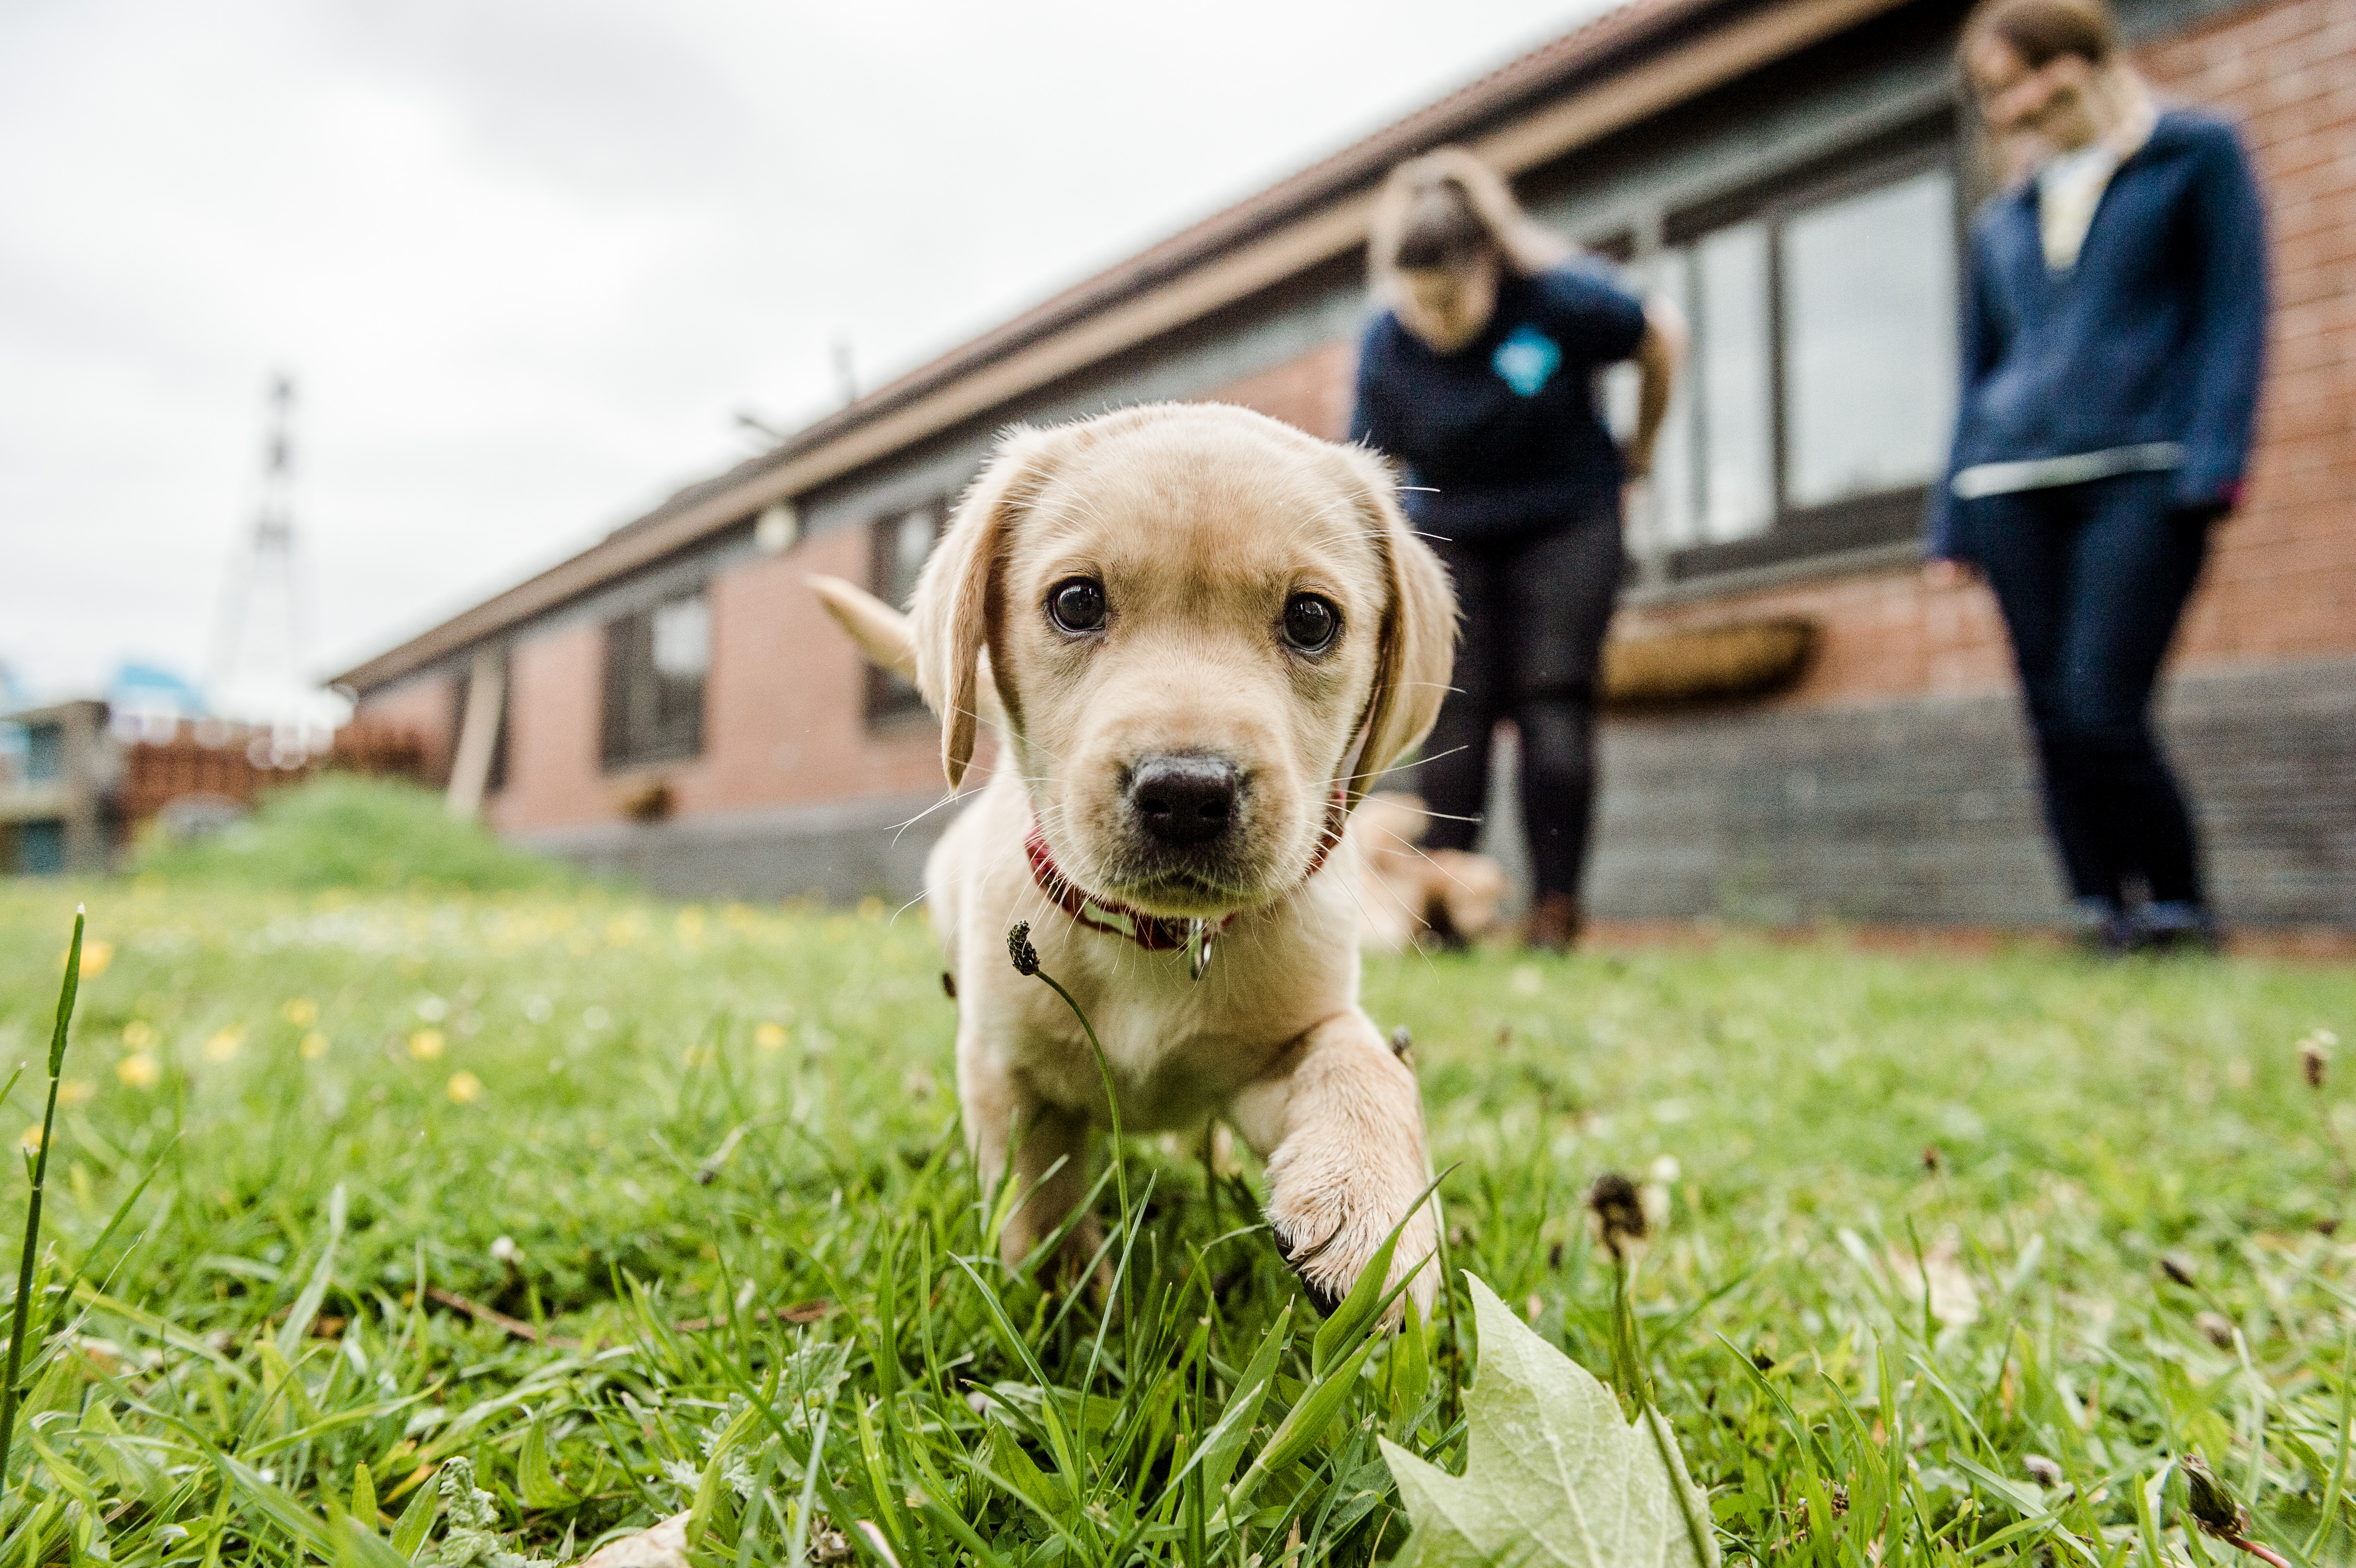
[
  {"x": 45, "y": 752},
  {"x": 656, "y": 661},
  {"x": 1819, "y": 394},
  {"x": 40, "y": 849},
  {"x": 897, "y": 548}
]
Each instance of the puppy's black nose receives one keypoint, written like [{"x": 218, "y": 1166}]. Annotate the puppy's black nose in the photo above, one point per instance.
[{"x": 1184, "y": 801}]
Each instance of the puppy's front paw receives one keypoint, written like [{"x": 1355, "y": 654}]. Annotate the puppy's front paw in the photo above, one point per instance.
[{"x": 1329, "y": 1225}]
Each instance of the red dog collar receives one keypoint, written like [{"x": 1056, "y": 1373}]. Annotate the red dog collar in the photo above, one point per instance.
[{"x": 1159, "y": 932}]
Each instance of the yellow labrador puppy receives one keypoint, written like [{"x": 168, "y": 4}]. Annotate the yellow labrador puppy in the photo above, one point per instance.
[
  {"x": 1410, "y": 894},
  {"x": 1204, "y": 634}
]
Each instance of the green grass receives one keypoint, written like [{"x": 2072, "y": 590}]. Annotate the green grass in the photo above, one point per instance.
[
  {"x": 603, "y": 1117},
  {"x": 345, "y": 831}
]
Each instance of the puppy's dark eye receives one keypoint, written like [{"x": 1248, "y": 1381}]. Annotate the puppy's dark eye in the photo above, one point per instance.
[
  {"x": 1311, "y": 624},
  {"x": 1077, "y": 604}
]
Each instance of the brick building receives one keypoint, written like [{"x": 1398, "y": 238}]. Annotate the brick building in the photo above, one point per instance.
[{"x": 1794, "y": 171}]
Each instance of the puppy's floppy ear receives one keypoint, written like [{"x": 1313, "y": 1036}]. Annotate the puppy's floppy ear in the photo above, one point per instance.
[
  {"x": 950, "y": 614},
  {"x": 1418, "y": 650}
]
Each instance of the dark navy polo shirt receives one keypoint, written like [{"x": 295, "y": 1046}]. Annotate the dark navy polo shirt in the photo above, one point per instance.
[{"x": 1503, "y": 436}]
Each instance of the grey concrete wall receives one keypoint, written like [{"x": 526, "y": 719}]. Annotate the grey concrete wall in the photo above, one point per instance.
[
  {"x": 840, "y": 853},
  {"x": 1928, "y": 811},
  {"x": 1909, "y": 813}
]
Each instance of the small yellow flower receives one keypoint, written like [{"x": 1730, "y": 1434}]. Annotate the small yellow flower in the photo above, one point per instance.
[
  {"x": 95, "y": 957},
  {"x": 465, "y": 1088},
  {"x": 138, "y": 1034},
  {"x": 31, "y": 1141},
  {"x": 426, "y": 1045},
  {"x": 314, "y": 1046},
  {"x": 691, "y": 925},
  {"x": 224, "y": 1045},
  {"x": 140, "y": 1070},
  {"x": 301, "y": 1011},
  {"x": 75, "y": 1091},
  {"x": 770, "y": 1036},
  {"x": 871, "y": 908}
]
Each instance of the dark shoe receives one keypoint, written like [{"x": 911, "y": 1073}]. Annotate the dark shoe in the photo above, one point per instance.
[
  {"x": 2101, "y": 929},
  {"x": 1555, "y": 924},
  {"x": 1439, "y": 933},
  {"x": 2176, "y": 927}
]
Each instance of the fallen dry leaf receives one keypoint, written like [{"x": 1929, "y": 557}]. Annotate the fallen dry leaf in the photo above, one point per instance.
[{"x": 664, "y": 1546}]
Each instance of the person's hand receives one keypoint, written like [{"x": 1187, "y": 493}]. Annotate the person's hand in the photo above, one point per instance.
[{"x": 1944, "y": 574}]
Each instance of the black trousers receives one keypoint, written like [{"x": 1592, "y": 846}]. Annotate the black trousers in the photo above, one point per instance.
[
  {"x": 1534, "y": 611},
  {"x": 2092, "y": 579}
]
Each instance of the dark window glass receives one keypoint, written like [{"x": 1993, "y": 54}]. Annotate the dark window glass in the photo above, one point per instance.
[
  {"x": 656, "y": 662},
  {"x": 45, "y": 752},
  {"x": 40, "y": 849},
  {"x": 897, "y": 550}
]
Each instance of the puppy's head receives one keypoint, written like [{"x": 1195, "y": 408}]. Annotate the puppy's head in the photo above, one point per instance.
[{"x": 1199, "y": 621}]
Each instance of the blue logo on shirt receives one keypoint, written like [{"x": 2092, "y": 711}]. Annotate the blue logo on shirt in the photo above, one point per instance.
[{"x": 1526, "y": 360}]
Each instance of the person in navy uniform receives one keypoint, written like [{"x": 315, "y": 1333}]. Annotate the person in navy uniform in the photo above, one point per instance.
[
  {"x": 1478, "y": 377},
  {"x": 2113, "y": 337}
]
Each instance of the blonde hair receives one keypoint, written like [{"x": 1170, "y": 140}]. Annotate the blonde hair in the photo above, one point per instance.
[{"x": 1451, "y": 200}]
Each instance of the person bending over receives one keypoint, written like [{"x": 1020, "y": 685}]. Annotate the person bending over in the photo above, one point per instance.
[{"x": 1478, "y": 377}]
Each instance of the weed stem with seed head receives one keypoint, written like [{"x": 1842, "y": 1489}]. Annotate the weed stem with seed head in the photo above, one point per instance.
[{"x": 1026, "y": 963}]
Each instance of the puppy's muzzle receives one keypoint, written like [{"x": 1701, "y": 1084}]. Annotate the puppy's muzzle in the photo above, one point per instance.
[{"x": 1186, "y": 800}]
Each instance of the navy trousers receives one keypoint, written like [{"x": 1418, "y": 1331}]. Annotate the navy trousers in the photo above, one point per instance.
[
  {"x": 2092, "y": 579},
  {"x": 1534, "y": 611}
]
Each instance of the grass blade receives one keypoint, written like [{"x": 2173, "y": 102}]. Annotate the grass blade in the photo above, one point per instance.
[{"x": 33, "y": 1207}]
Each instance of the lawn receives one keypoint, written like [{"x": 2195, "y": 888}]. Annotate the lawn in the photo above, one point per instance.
[{"x": 638, "y": 1206}]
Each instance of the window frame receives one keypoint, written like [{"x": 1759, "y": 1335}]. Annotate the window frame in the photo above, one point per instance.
[
  {"x": 1881, "y": 520},
  {"x": 623, "y": 671},
  {"x": 891, "y": 700}
]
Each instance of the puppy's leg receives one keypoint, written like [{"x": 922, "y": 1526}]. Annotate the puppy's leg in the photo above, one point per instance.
[
  {"x": 1341, "y": 1126},
  {"x": 1048, "y": 1165}
]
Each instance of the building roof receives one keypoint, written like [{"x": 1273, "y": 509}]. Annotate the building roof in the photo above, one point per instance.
[{"x": 1631, "y": 62}]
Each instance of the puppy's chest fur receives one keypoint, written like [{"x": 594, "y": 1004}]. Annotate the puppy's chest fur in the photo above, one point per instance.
[{"x": 1178, "y": 1048}]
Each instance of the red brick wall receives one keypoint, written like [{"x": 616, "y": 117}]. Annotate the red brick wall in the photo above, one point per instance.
[
  {"x": 785, "y": 720},
  {"x": 2284, "y": 582},
  {"x": 429, "y": 706},
  {"x": 1312, "y": 393}
]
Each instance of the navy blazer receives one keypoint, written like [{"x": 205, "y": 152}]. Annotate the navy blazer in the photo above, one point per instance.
[{"x": 2157, "y": 334}]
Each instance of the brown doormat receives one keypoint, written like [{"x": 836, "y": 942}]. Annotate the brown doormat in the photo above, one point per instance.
[{"x": 1651, "y": 671}]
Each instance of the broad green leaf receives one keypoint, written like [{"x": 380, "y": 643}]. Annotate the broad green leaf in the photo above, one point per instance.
[
  {"x": 536, "y": 1480},
  {"x": 416, "y": 1522},
  {"x": 364, "y": 1495},
  {"x": 1554, "y": 1474},
  {"x": 1410, "y": 1364}
]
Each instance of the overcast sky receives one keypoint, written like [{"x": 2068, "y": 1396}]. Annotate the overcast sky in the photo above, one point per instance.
[{"x": 526, "y": 259}]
